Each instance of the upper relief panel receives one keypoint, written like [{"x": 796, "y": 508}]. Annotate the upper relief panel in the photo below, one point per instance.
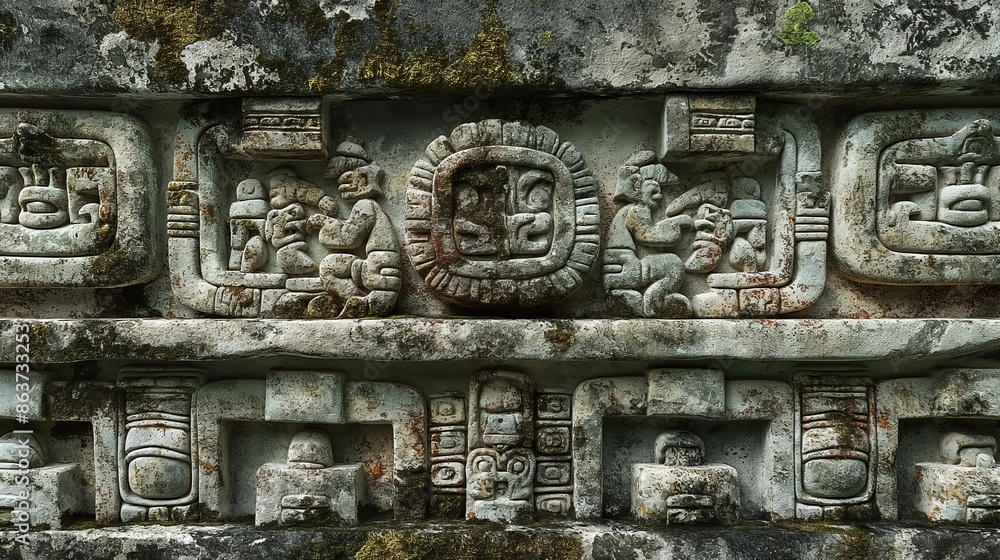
[
  {"x": 499, "y": 216},
  {"x": 78, "y": 200},
  {"x": 917, "y": 197}
]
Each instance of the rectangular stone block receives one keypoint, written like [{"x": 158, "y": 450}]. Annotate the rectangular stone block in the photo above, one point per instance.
[
  {"x": 699, "y": 393},
  {"x": 300, "y": 396}
]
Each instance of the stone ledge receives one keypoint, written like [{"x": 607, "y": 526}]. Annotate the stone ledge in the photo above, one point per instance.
[
  {"x": 562, "y": 541},
  {"x": 412, "y": 339}
]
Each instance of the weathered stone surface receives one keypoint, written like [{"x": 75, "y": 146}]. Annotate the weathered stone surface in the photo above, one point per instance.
[
  {"x": 321, "y": 46},
  {"x": 276, "y": 358}
]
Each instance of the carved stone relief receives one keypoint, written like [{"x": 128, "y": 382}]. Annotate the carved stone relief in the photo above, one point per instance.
[
  {"x": 270, "y": 242},
  {"x": 679, "y": 488},
  {"x": 300, "y": 491},
  {"x": 937, "y": 446},
  {"x": 967, "y": 487},
  {"x": 917, "y": 197},
  {"x": 67, "y": 471},
  {"x": 55, "y": 489},
  {"x": 308, "y": 488},
  {"x": 731, "y": 240},
  {"x": 554, "y": 444},
  {"x": 502, "y": 214},
  {"x": 157, "y": 456},
  {"x": 836, "y": 442},
  {"x": 77, "y": 200},
  {"x": 500, "y": 468},
  {"x": 449, "y": 437},
  {"x": 666, "y": 395}
]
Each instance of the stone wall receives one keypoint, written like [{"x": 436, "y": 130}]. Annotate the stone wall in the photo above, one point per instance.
[{"x": 499, "y": 279}]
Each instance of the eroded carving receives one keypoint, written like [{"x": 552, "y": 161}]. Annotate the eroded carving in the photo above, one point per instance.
[
  {"x": 308, "y": 488},
  {"x": 399, "y": 406},
  {"x": 500, "y": 469},
  {"x": 500, "y": 214},
  {"x": 918, "y": 198},
  {"x": 157, "y": 458},
  {"x": 966, "y": 487},
  {"x": 286, "y": 249},
  {"x": 77, "y": 194},
  {"x": 554, "y": 443},
  {"x": 679, "y": 488},
  {"x": 32, "y": 492},
  {"x": 836, "y": 442},
  {"x": 721, "y": 243},
  {"x": 449, "y": 434}
]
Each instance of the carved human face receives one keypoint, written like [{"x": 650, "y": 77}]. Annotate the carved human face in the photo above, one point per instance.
[{"x": 651, "y": 193}]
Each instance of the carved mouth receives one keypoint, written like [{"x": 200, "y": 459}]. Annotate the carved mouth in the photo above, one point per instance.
[
  {"x": 964, "y": 205},
  {"x": 41, "y": 207}
]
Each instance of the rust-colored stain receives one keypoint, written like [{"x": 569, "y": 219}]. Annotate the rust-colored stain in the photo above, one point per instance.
[
  {"x": 208, "y": 210},
  {"x": 883, "y": 421},
  {"x": 375, "y": 470}
]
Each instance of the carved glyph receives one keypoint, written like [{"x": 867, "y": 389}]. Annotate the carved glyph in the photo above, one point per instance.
[
  {"x": 500, "y": 468},
  {"x": 77, "y": 200},
  {"x": 835, "y": 442},
  {"x": 502, "y": 214},
  {"x": 916, "y": 198},
  {"x": 157, "y": 456}
]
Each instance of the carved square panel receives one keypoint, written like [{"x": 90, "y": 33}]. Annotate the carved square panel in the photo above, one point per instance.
[
  {"x": 554, "y": 406},
  {"x": 553, "y": 473},
  {"x": 448, "y": 474},
  {"x": 78, "y": 200},
  {"x": 447, "y": 442},
  {"x": 917, "y": 197},
  {"x": 502, "y": 213},
  {"x": 447, "y": 409},
  {"x": 553, "y": 440}
]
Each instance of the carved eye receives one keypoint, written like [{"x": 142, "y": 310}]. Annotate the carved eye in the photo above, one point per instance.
[
  {"x": 484, "y": 466},
  {"x": 517, "y": 467},
  {"x": 536, "y": 186}
]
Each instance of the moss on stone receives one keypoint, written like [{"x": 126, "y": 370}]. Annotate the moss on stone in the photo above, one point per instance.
[
  {"x": 562, "y": 335},
  {"x": 8, "y": 27},
  {"x": 346, "y": 42},
  {"x": 485, "y": 543},
  {"x": 796, "y": 30},
  {"x": 302, "y": 12},
  {"x": 173, "y": 25},
  {"x": 546, "y": 37},
  {"x": 484, "y": 62}
]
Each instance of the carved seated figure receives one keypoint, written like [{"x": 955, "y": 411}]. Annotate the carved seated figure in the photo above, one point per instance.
[
  {"x": 361, "y": 275},
  {"x": 632, "y": 260},
  {"x": 678, "y": 488},
  {"x": 248, "y": 252},
  {"x": 967, "y": 487},
  {"x": 55, "y": 490},
  {"x": 308, "y": 488},
  {"x": 285, "y": 224}
]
